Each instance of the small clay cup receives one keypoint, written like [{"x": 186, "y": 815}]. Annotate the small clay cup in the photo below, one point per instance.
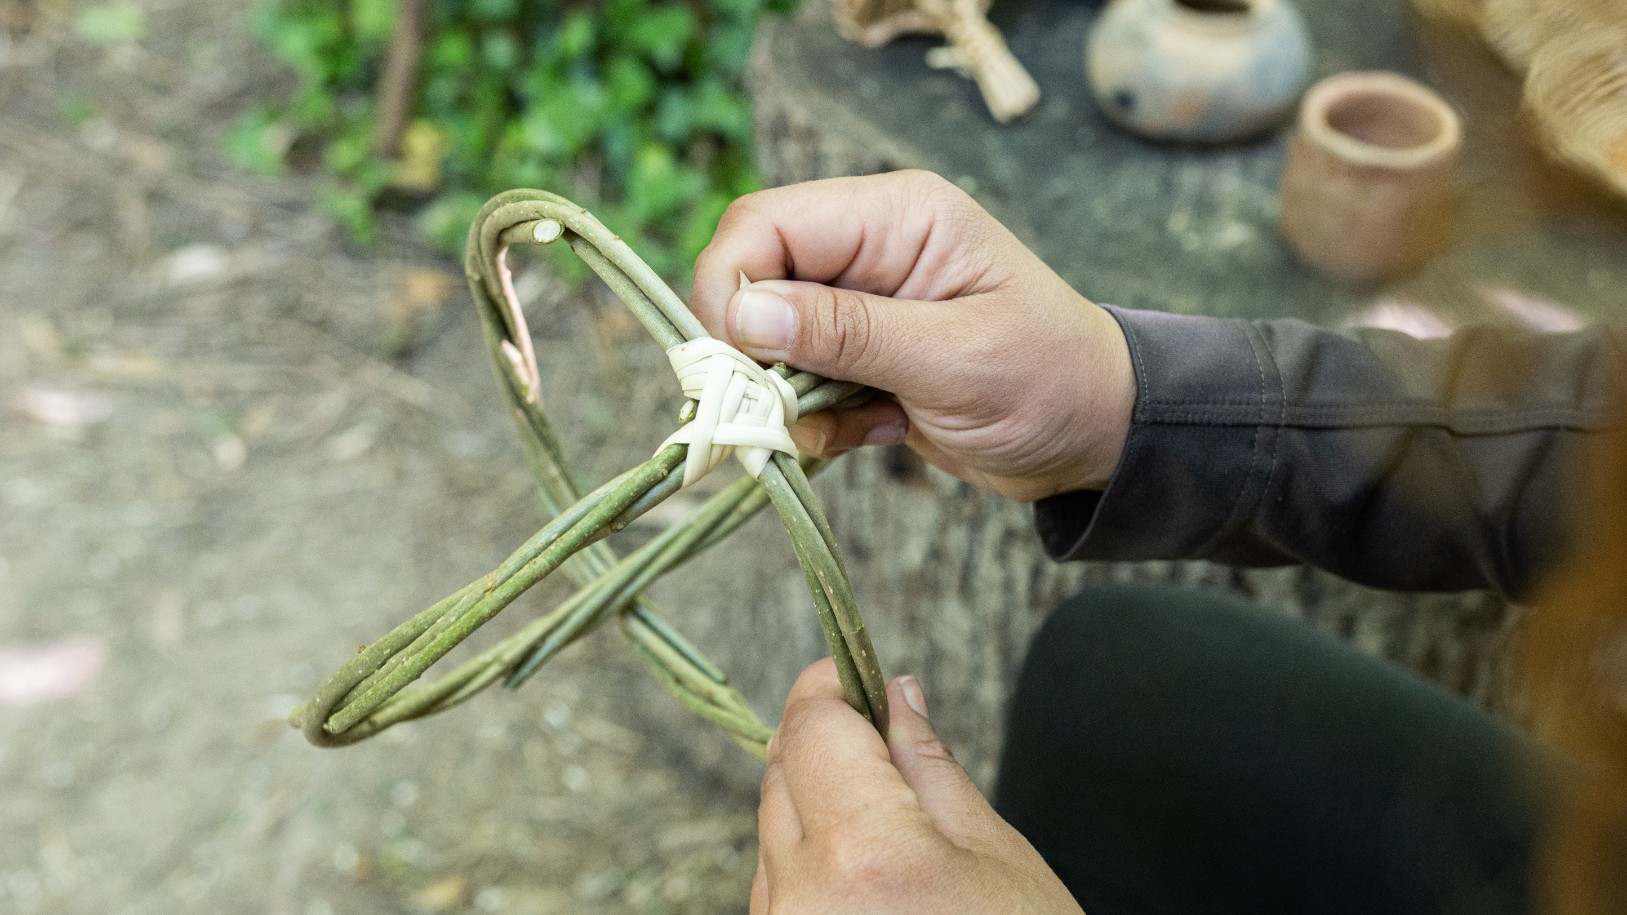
[{"x": 1367, "y": 190}]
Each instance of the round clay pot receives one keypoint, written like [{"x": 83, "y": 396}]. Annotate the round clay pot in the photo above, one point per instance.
[
  {"x": 1367, "y": 189},
  {"x": 1198, "y": 71}
]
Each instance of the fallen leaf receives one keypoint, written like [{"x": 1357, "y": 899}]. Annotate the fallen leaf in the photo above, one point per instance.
[
  {"x": 32, "y": 674},
  {"x": 65, "y": 408},
  {"x": 440, "y": 895},
  {"x": 195, "y": 264}
]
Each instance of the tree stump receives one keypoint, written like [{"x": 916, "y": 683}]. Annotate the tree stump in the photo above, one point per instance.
[{"x": 953, "y": 581}]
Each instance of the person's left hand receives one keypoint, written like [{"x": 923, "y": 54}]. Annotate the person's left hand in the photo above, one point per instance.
[{"x": 849, "y": 823}]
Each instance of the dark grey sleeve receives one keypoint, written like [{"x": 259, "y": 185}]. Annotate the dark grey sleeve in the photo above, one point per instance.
[{"x": 1395, "y": 462}]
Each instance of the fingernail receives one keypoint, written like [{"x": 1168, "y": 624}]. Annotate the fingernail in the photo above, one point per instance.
[
  {"x": 913, "y": 696},
  {"x": 764, "y": 324},
  {"x": 887, "y": 433},
  {"x": 809, "y": 439}
]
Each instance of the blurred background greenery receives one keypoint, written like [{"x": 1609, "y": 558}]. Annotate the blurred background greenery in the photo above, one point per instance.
[
  {"x": 234, "y": 444},
  {"x": 633, "y": 108}
]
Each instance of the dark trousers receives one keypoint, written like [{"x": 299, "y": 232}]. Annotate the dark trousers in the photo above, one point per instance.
[{"x": 1182, "y": 753}]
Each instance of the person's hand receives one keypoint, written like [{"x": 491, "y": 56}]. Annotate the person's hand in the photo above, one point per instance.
[
  {"x": 849, "y": 824},
  {"x": 1002, "y": 374}
]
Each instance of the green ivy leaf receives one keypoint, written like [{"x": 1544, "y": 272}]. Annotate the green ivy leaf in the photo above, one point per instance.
[
  {"x": 619, "y": 142},
  {"x": 348, "y": 152},
  {"x": 450, "y": 51},
  {"x": 75, "y": 108},
  {"x": 576, "y": 35},
  {"x": 736, "y": 10},
  {"x": 658, "y": 185},
  {"x": 728, "y": 47},
  {"x": 561, "y": 124},
  {"x": 675, "y": 115},
  {"x": 661, "y": 34},
  {"x": 630, "y": 82},
  {"x": 641, "y": 99},
  {"x": 622, "y": 15},
  {"x": 447, "y": 219},
  {"x": 702, "y": 223},
  {"x": 499, "y": 50},
  {"x": 493, "y": 10},
  {"x": 721, "y": 111},
  {"x": 304, "y": 45},
  {"x": 353, "y": 209},
  {"x": 257, "y": 142},
  {"x": 373, "y": 20}
]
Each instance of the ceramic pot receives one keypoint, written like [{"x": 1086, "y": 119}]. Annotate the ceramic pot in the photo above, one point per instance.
[
  {"x": 1198, "y": 71},
  {"x": 1367, "y": 188}
]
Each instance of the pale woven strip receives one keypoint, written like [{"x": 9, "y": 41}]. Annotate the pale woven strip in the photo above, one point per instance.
[{"x": 741, "y": 408}]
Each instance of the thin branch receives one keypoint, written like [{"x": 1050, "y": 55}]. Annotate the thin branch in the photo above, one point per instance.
[{"x": 398, "y": 83}]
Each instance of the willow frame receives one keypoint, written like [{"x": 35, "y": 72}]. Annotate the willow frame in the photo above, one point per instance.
[{"x": 380, "y": 686}]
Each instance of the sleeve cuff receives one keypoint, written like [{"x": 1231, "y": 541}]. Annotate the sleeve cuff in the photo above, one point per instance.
[{"x": 1200, "y": 453}]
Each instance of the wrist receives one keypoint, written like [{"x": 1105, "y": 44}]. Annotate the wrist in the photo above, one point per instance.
[
  {"x": 1075, "y": 418},
  {"x": 1105, "y": 388},
  {"x": 1119, "y": 392}
]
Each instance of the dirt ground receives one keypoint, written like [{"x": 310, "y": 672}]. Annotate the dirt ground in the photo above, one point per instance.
[{"x": 232, "y": 450}]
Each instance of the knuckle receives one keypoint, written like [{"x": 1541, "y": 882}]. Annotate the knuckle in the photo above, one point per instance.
[
  {"x": 929, "y": 748},
  {"x": 744, "y": 214},
  {"x": 965, "y": 223},
  {"x": 773, "y": 776},
  {"x": 922, "y": 181},
  {"x": 702, "y": 260},
  {"x": 958, "y": 224},
  {"x": 736, "y": 222},
  {"x": 742, "y": 207},
  {"x": 796, "y": 726},
  {"x": 846, "y": 329},
  {"x": 855, "y": 859},
  {"x": 938, "y": 193},
  {"x": 959, "y": 216}
]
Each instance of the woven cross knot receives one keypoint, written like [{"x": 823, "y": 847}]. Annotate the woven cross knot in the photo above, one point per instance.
[{"x": 741, "y": 408}]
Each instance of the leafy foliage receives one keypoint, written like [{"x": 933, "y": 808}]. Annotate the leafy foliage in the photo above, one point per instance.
[{"x": 632, "y": 106}]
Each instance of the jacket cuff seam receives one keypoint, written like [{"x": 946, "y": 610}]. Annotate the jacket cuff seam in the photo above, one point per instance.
[
  {"x": 1234, "y": 515},
  {"x": 1280, "y": 394},
  {"x": 1411, "y": 411},
  {"x": 1133, "y": 341}
]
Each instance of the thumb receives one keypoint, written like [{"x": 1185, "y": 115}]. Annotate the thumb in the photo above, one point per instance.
[
  {"x": 946, "y": 793},
  {"x": 838, "y": 333}
]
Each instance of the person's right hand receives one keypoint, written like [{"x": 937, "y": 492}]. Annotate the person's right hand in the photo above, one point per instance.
[{"x": 1002, "y": 374}]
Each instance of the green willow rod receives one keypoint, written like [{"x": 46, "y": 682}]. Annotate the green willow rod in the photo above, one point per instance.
[{"x": 383, "y": 684}]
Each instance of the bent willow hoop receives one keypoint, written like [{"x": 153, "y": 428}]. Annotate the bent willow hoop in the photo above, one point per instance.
[{"x": 380, "y": 686}]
